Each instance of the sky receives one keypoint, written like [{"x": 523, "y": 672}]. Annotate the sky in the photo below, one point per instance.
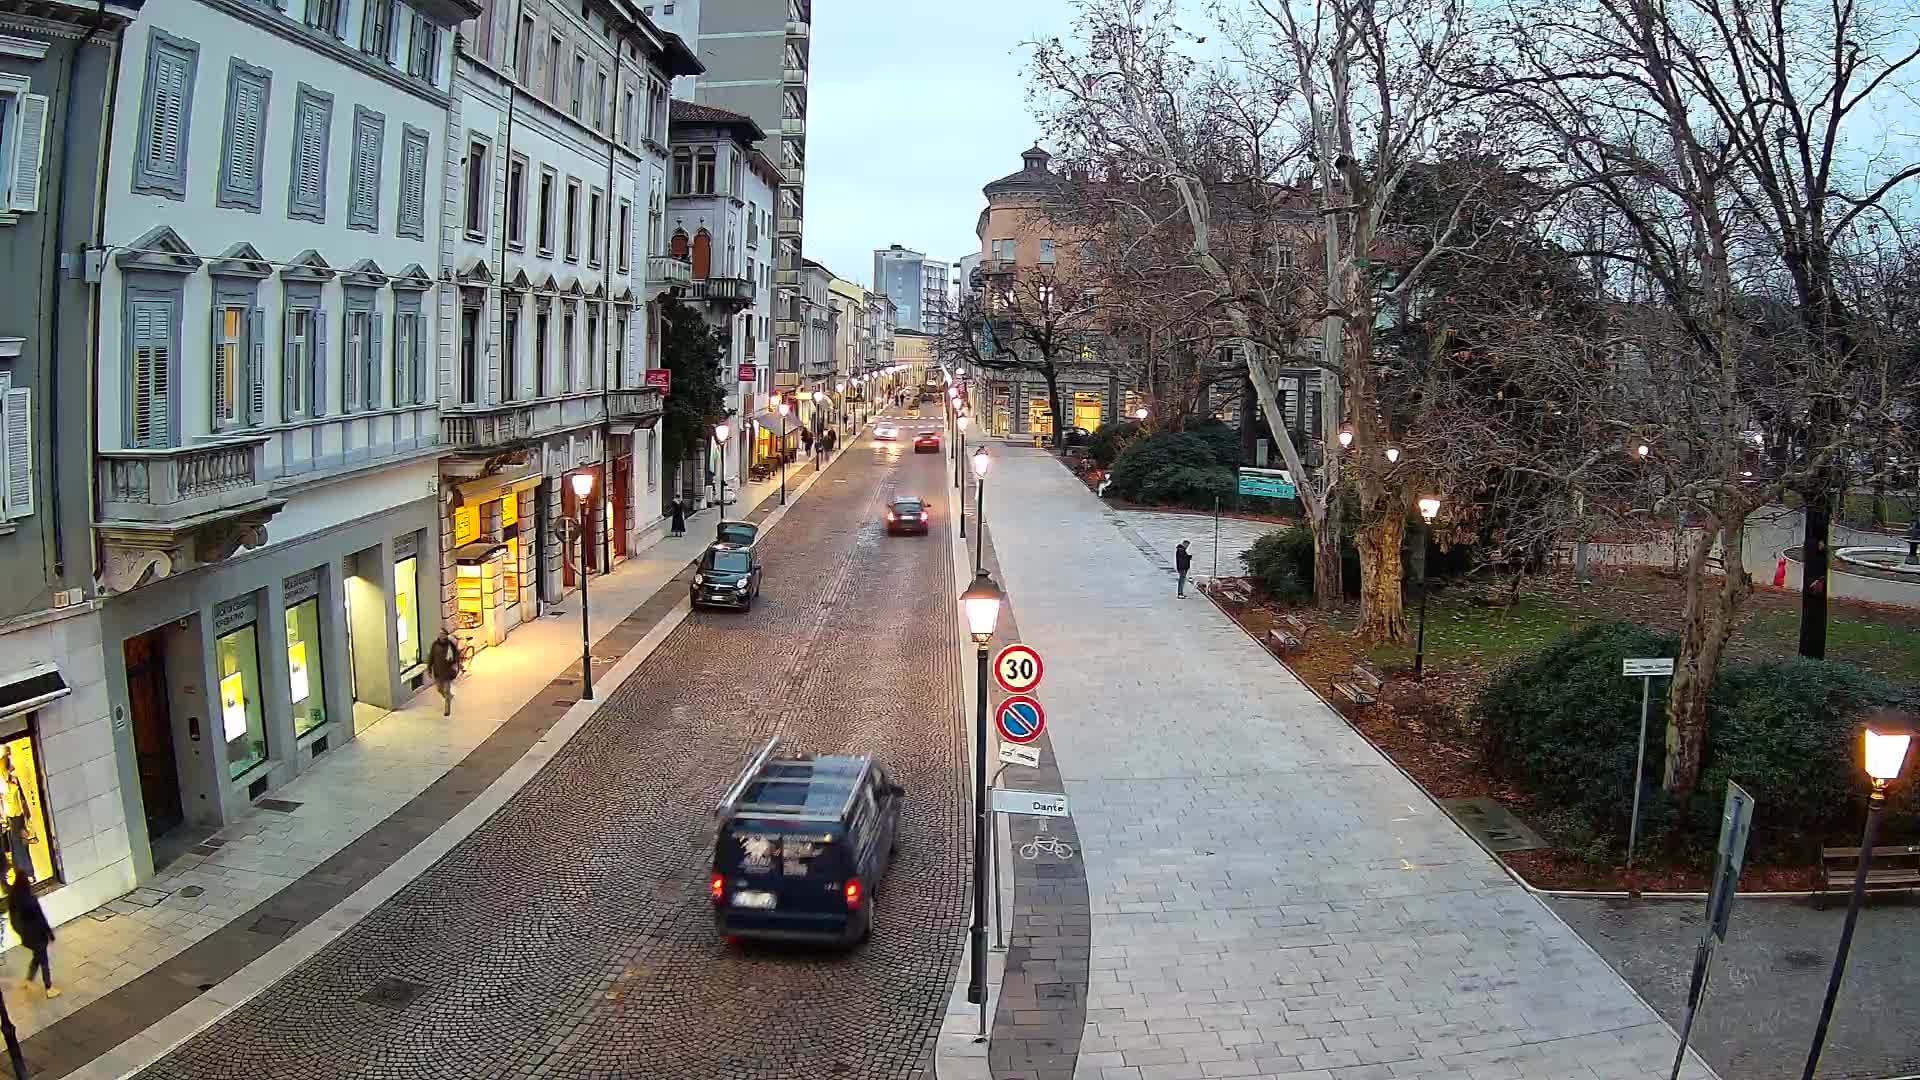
[{"x": 913, "y": 105}]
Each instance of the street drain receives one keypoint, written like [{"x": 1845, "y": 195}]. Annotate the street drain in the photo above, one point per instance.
[
  {"x": 389, "y": 992},
  {"x": 278, "y": 806},
  {"x": 192, "y": 891}
]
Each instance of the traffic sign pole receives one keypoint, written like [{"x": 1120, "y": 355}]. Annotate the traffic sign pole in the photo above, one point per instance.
[{"x": 1647, "y": 669}]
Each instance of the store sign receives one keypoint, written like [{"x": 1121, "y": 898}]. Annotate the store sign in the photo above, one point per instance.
[
  {"x": 748, "y": 373},
  {"x": 406, "y": 547},
  {"x": 510, "y": 509},
  {"x": 302, "y": 587},
  {"x": 232, "y": 615},
  {"x": 466, "y": 525},
  {"x": 661, "y": 378}
]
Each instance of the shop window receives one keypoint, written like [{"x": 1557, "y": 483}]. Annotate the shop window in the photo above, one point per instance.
[
  {"x": 406, "y": 609},
  {"x": 241, "y": 722},
  {"x": 309, "y": 706},
  {"x": 29, "y": 844}
]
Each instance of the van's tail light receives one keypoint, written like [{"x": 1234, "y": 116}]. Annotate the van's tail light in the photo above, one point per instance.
[
  {"x": 717, "y": 887},
  {"x": 854, "y": 894}
]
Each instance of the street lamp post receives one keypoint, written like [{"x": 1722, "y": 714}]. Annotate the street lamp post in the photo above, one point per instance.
[
  {"x": 784, "y": 409},
  {"x": 721, "y": 433},
  {"x": 981, "y": 603},
  {"x": 1886, "y": 739},
  {"x": 960, "y": 422},
  {"x": 819, "y": 448},
  {"x": 582, "y": 487},
  {"x": 981, "y": 463},
  {"x": 1429, "y": 509}
]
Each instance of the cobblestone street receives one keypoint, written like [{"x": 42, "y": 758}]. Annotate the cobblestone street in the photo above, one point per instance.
[{"x": 570, "y": 936}]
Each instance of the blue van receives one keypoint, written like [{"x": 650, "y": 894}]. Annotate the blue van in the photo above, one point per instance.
[{"x": 801, "y": 847}]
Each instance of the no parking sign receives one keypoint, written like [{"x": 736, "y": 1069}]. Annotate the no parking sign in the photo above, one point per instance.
[{"x": 1020, "y": 719}]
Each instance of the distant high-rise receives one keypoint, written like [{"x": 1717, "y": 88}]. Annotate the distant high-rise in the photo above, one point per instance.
[{"x": 917, "y": 286}]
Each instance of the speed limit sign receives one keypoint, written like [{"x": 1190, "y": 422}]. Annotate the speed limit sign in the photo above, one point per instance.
[{"x": 1017, "y": 668}]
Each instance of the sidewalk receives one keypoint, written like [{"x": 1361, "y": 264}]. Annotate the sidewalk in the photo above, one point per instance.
[
  {"x": 1268, "y": 896},
  {"x": 127, "y": 964}
]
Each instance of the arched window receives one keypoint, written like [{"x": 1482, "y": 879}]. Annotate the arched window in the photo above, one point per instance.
[
  {"x": 702, "y": 254},
  {"x": 678, "y": 248}
]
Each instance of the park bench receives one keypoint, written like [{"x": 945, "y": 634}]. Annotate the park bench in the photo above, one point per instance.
[
  {"x": 1894, "y": 867},
  {"x": 1281, "y": 641}
]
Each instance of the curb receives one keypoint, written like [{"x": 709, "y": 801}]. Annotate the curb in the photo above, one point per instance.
[{"x": 169, "y": 1033}]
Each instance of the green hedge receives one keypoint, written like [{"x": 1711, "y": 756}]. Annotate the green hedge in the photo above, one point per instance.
[
  {"x": 1107, "y": 443},
  {"x": 1176, "y": 468},
  {"x": 1561, "y": 725},
  {"x": 1281, "y": 564}
]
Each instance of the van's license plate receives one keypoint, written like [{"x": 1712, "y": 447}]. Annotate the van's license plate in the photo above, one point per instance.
[{"x": 749, "y": 898}]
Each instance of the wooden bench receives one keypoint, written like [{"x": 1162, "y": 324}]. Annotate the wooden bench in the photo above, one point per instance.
[
  {"x": 1894, "y": 867},
  {"x": 1282, "y": 642},
  {"x": 1353, "y": 693}
]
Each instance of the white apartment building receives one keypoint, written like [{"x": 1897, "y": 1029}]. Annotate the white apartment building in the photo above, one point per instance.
[
  {"x": 267, "y": 422},
  {"x": 720, "y": 223},
  {"x": 554, "y": 153}
]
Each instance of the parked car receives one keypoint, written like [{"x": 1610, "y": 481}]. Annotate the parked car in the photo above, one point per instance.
[
  {"x": 801, "y": 846},
  {"x": 908, "y": 514},
  {"x": 728, "y": 575},
  {"x": 927, "y": 442}
]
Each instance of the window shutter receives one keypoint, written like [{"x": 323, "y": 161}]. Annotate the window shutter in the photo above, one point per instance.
[
  {"x": 350, "y": 365},
  {"x": 27, "y": 153},
  {"x": 289, "y": 367},
  {"x": 151, "y": 338},
  {"x": 256, "y": 366},
  {"x": 371, "y": 375},
  {"x": 169, "y": 94},
  {"x": 18, "y": 414},
  {"x": 243, "y": 171},
  {"x": 317, "y": 365},
  {"x": 417, "y": 355},
  {"x": 414, "y": 190},
  {"x": 223, "y": 410},
  {"x": 363, "y": 166}
]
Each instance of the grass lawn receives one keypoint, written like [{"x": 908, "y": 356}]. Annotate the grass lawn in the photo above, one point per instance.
[{"x": 1858, "y": 510}]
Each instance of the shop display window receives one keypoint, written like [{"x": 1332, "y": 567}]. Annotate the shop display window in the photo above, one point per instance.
[
  {"x": 28, "y": 843},
  {"x": 406, "y": 609},
  {"x": 303, "y": 666},
  {"x": 242, "y": 724}
]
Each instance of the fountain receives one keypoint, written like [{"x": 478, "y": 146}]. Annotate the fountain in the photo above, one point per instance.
[{"x": 1887, "y": 559}]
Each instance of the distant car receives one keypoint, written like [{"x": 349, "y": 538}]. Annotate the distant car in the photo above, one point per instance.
[
  {"x": 927, "y": 442},
  {"x": 913, "y": 410},
  {"x": 1076, "y": 436},
  {"x": 728, "y": 576},
  {"x": 908, "y": 514},
  {"x": 802, "y": 845},
  {"x": 885, "y": 432}
]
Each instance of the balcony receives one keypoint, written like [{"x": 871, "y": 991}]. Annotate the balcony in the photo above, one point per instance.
[
  {"x": 666, "y": 273},
  {"x": 793, "y": 76},
  {"x": 787, "y": 278},
  {"x": 798, "y": 29},
  {"x": 172, "y": 510},
  {"x": 787, "y": 224},
  {"x": 793, "y": 125},
  {"x": 786, "y": 328},
  {"x": 794, "y": 176},
  {"x": 726, "y": 292},
  {"x": 481, "y": 432},
  {"x": 641, "y": 408}
]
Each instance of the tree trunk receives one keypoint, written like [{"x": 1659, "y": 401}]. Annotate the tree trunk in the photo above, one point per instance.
[
  {"x": 1814, "y": 539},
  {"x": 1383, "y": 616},
  {"x": 1053, "y": 402},
  {"x": 1709, "y": 617},
  {"x": 1329, "y": 586}
]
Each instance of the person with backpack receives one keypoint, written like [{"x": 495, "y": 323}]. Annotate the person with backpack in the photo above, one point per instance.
[
  {"x": 30, "y": 924},
  {"x": 443, "y": 663}
]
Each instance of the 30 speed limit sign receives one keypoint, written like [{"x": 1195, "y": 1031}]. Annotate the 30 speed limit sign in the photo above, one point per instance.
[{"x": 1017, "y": 668}]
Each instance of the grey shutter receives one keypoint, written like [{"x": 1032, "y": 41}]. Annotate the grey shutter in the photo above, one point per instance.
[
  {"x": 372, "y": 374},
  {"x": 369, "y": 133},
  {"x": 289, "y": 367},
  {"x": 256, "y": 367},
  {"x": 317, "y": 365},
  {"x": 28, "y": 140},
  {"x": 168, "y": 118},
  {"x": 352, "y": 350},
  {"x": 417, "y": 352},
  {"x": 220, "y": 372},
  {"x": 413, "y": 183},
  {"x": 152, "y": 373},
  {"x": 18, "y": 413}
]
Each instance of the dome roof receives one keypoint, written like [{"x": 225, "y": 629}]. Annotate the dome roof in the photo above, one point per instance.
[{"x": 1034, "y": 176}]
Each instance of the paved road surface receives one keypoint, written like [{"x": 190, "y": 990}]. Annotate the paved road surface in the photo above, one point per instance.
[{"x": 570, "y": 936}]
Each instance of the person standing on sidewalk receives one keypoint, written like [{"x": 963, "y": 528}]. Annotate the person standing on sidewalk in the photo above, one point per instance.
[
  {"x": 443, "y": 663},
  {"x": 679, "y": 523},
  {"x": 31, "y": 925},
  {"x": 1182, "y": 562}
]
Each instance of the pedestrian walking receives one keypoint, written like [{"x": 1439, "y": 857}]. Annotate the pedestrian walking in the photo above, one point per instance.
[
  {"x": 443, "y": 663},
  {"x": 1182, "y": 562},
  {"x": 679, "y": 522},
  {"x": 31, "y": 926}
]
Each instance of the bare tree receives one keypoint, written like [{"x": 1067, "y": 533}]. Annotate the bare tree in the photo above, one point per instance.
[
  {"x": 1037, "y": 320},
  {"x": 1708, "y": 139}
]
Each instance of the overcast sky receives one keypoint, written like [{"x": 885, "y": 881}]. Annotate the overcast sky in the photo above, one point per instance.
[{"x": 913, "y": 107}]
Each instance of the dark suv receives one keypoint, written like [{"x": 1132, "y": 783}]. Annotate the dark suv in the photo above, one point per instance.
[
  {"x": 907, "y": 514},
  {"x": 801, "y": 847},
  {"x": 728, "y": 575}
]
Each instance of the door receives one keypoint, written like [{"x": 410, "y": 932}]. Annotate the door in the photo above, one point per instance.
[
  {"x": 152, "y": 722},
  {"x": 622, "y": 488}
]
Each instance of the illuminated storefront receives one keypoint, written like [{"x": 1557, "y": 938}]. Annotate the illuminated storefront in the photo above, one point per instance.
[
  {"x": 28, "y": 842},
  {"x": 237, "y": 666},
  {"x": 305, "y": 652}
]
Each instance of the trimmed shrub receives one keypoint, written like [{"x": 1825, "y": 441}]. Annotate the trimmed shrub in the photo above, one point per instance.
[
  {"x": 1562, "y": 723},
  {"x": 1789, "y": 732},
  {"x": 1107, "y": 443},
  {"x": 1281, "y": 563},
  {"x": 1175, "y": 468}
]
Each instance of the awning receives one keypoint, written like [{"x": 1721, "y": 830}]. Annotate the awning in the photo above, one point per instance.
[
  {"x": 477, "y": 552},
  {"x": 770, "y": 419},
  {"x": 24, "y": 691}
]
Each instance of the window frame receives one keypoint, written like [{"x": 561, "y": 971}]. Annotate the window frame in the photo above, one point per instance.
[
  {"x": 476, "y": 201},
  {"x": 147, "y": 180},
  {"x": 555, "y": 44},
  {"x": 310, "y": 373},
  {"x": 569, "y": 322},
  {"x": 542, "y": 324},
  {"x": 549, "y": 182},
  {"x": 595, "y": 319},
  {"x": 242, "y": 293},
  {"x": 309, "y": 100},
  {"x": 706, "y": 156},
  {"x": 314, "y": 7},
  {"x": 423, "y": 50},
  {"x": 225, "y": 192},
  {"x": 358, "y": 365},
  {"x": 571, "y": 219},
  {"x": 408, "y": 362},
  {"x": 577, "y": 87},
  {"x": 366, "y": 124},
  {"x": 517, "y": 167},
  {"x": 142, "y": 288},
  {"x": 596, "y": 225},
  {"x": 510, "y": 349},
  {"x": 523, "y": 60},
  {"x": 414, "y": 224},
  {"x": 368, "y": 25},
  {"x": 625, "y": 238}
]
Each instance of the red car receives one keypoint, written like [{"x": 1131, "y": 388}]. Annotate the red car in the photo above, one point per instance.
[{"x": 928, "y": 441}]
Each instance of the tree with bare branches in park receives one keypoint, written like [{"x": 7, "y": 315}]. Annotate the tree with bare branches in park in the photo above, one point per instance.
[
  {"x": 1712, "y": 149},
  {"x": 1356, "y": 91},
  {"x": 1034, "y": 320}
]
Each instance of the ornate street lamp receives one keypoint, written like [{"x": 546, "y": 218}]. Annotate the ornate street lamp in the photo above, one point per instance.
[
  {"x": 1429, "y": 509},
  {"x": 981, "y": 603},
  {"x": 582, "y": 482}
]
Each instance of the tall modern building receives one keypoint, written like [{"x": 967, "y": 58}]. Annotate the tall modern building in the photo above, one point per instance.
[
  {"x": 755, "y": 55},
  {"x": 917, "y": 286}
]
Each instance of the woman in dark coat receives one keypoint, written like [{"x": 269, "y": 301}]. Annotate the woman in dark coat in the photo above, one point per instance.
[
  {"x": 679, "y": 522},
  {"x": 30, "y": 923}
]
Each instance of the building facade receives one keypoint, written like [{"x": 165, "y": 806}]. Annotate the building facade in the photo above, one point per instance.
[
  {"x": 266, "y": 425},
  {"x": 852, "y": 336},
  {"x": 917, "y": 285},
  {"x": 66, "y": 800}
]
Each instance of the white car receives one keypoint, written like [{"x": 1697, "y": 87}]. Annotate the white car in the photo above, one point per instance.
[{"x": 885, "y": 432}]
